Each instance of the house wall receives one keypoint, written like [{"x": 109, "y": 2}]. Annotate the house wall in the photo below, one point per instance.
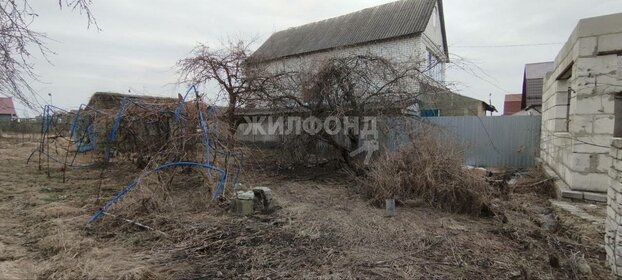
[
  {"x": 412, "y": 49},
  {"x": 534, "y": 92},
  {"x": 398, "y": 50},
  {"x": 432, "y": 39},
  {"x": 5, "y": 118},
  {"x": 576, "y": 138},
  {"x": 511, "y": 107},
  {"x": 452, "y": 104}
]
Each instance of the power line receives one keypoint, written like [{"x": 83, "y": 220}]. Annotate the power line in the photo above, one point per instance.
[{"x": 508, "y": 46}]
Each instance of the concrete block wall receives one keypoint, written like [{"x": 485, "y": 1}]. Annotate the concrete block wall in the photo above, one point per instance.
[
  {"x": 613, "y": 222},
  {"x": 576, "y": 138}
]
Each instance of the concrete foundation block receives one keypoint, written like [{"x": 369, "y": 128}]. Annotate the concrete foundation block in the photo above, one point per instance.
[
  {"x": 595, "y": 197},
  {"x": 588, "y": 182},
  {"x": 244, "y": 203},
  {"x": 572, "y": 194},
  {"x": 243, "y": 207}
]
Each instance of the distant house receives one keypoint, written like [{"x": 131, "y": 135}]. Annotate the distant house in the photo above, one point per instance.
[
  {"x": 512, "y": 104},
  {"x": 533, "y": 81},
  {"x": 407, "y": 30},
  {"x": 7, "y": 109},
  {"x": 403, "y": 31},
  {"x": 447, "y": 103}
]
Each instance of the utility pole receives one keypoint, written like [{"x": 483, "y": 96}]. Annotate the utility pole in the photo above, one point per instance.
[{"x": 490, "y": 102}]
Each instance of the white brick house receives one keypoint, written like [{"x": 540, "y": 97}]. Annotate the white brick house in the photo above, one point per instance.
[{"x": 402, "y": 31}]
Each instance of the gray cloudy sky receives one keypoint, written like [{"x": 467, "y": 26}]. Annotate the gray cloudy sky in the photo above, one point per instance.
[{"x": 141, "y": 40}]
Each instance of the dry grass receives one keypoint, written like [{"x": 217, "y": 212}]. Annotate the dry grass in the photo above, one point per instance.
[
  {"x": 431, "y": 169},
  {"x": 321, "y": 229},
  {"x": 535, "y": 181}
]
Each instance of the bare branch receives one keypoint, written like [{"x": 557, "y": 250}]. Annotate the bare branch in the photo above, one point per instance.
[{"x": 16, "y": 36}]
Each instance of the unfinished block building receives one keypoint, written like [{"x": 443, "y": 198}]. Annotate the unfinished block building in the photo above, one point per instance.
[
  {"x": 578, "y": 107},
  {"x": 582, "y": 122}
]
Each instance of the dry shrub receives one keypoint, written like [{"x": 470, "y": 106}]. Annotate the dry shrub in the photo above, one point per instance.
[
  {"x": 430, "y": 168},
  {"x": 297, "y": 149},
  {"x": 536, "y": 181},
  {"x": 162, "y": 197}
]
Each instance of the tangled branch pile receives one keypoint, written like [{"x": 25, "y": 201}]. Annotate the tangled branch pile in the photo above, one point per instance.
[
  {"x": 148, "y": 127},
  {"x": 428, "y": 168}
]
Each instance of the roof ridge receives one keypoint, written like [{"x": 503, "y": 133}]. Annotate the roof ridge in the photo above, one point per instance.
[
  {"x": 345, "y": 15},
  {"x": 390, "y": 20}
]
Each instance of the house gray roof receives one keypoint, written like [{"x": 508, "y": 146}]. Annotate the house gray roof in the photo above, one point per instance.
[
  {"x": 538, "y": 70},
  {"x": 396, "y": 19}
]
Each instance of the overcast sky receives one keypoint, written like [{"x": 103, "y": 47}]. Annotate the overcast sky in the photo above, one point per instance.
[{"x": 140, "y": 40}]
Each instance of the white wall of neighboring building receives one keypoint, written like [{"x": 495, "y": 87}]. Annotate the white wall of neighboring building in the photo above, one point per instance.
[
  {"x": 412, "y": 49},
  {"x": 432, "y": 39},
  {"x": 399, "y": 50}
]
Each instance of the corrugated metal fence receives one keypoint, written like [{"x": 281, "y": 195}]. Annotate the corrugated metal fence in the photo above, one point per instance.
[{"x": 508, "y": 141}]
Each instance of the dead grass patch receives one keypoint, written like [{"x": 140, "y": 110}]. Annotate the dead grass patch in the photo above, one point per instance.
[
  {"x": 536, "y": 181},
  {"x": 57, "y": 210},
  {"x": 96, "y": 263}
]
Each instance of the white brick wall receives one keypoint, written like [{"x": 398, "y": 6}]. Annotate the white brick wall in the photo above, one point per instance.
[{"x": 403, "y": 50}]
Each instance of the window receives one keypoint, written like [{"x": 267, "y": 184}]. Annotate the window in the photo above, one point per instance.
[
  {"x": 430, "y": 113},
  {"x": 434, "y": 67}
]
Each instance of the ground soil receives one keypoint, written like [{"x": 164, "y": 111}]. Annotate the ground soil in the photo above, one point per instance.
[{"x": 319, "y": 228}]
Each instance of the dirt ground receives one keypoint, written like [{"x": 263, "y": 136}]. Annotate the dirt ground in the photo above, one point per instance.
[{"x": 320, "y": 229}]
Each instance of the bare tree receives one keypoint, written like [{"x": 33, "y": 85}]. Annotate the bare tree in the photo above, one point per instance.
[
  {"x": 226, "y": 68},
  {"x": 348, "y": 86},
  {"x": 17, "y": 37}
]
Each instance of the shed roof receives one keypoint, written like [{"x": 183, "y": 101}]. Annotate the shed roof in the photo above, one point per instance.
[
  {"x": 538, "y": 70},
  {"x": 112, "y": 100},
  {"x": 392, "y": 20},
  {"x": 7, "y": 107}
]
